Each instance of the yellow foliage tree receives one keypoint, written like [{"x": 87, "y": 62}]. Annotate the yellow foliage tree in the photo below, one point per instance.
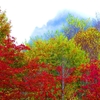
[
  {"x": 5, "y": 26},
  {"x": 56, "y": 50},
  {"x": 89, "y": 40}
]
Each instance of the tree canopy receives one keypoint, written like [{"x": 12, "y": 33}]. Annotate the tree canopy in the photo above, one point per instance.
[
  {"x": 89, "y": 40},
  {"x": 55, "y": 50}
]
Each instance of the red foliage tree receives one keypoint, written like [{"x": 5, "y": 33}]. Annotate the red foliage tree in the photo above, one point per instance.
[
  {"x": 41, "y": 84},
  {"x": 90, "y": 82},
  {"x": 17, "y": 79},
  {"x": 27, "y": 82},
  {"x": 9, "y": 82},
  {"x": 66, "y": 77},
  {"x": 12, "y": 54}
]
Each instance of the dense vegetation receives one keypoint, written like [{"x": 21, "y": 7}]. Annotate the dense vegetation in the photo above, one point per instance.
[{"x": 57, "y": 68}]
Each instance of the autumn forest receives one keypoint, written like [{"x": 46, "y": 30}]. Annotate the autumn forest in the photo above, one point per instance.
[{"x": 65, "y": 66}]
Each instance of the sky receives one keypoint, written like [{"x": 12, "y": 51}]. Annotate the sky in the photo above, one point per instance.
[{"x": 26, "y": 15}]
